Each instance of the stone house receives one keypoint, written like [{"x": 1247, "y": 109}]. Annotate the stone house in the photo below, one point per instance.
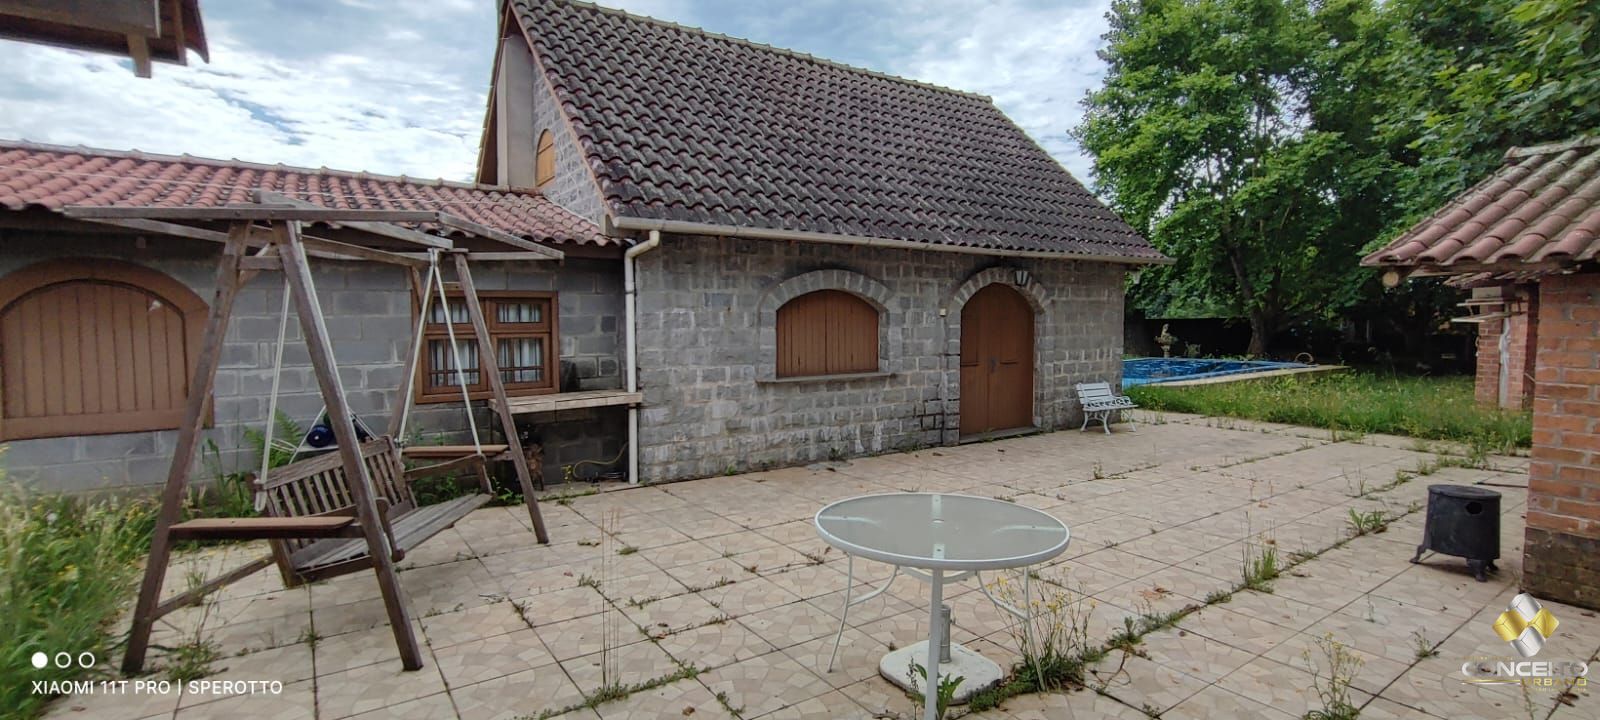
[
  {"x": 770, "y": 259},
  {"x": 1527, "y": 241}
]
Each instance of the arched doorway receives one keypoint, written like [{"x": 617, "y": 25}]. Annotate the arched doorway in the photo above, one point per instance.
[{"x": 996, "y": 361}]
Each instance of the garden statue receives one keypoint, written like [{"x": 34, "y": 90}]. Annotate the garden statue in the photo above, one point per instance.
[{"x": 1166, "y": 340}]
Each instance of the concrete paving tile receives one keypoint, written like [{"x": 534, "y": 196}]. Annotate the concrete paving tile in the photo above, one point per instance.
[
  {"x": 1193, "y": 654},
  {"x": 1280, "y": 686},
  {"x": 1244, "y": 631},
  {"x": 627, "y": 665},
  {"x": 487, "y": 658},
  {"x": 525, "y": 694},
  {"x": 371, "y": 687},
  {"x": 588, "y": 634},
  {"x": 296, "y": 702},
  {"x": 765, "y": 684},
  {"x": 1142, "y": 683},
  {"x": 1218, "y": 702},
  {"x": 348, "y": 651},
  {"x": 792, "y": 624},
  {"x": 712, "y": 646},
  {"x": 684, "y": 698}
]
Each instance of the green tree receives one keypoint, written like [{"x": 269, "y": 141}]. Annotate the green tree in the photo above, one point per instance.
[
  {"x": 1470, "y": 80},
  {"x": 1204, "y": 138}
]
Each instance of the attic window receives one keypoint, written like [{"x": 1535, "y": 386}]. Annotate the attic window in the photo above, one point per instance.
[{"x": 544, "y": 162}]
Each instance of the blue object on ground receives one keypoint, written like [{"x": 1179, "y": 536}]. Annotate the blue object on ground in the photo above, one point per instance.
[{"x": 1148, "y": 371}]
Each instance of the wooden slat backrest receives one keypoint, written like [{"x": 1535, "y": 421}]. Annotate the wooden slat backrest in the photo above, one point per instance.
[
  {"x": 318, "y": 486},
  {"x": 1095, "y": 391}
]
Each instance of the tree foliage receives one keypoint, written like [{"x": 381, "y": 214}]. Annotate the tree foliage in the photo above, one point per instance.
[{"x": 1264, "y": 144}]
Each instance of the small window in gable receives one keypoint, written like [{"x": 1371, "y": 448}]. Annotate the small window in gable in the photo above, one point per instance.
[
  {"x": 94, "y": 346},
  {"x": 544, "y": 160},
  {"x": 827, "y": 332}
]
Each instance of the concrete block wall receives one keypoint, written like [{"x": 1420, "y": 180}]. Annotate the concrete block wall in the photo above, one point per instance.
[
  {"x": 369, "y": 317},
  {"x": 572, "y": 188},
  {"x": 710, "y": 407},
  {"x": 1563, "y": 532}
]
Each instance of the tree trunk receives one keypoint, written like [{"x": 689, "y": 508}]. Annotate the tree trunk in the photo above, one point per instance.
[{"x": 1260, "y": 333}]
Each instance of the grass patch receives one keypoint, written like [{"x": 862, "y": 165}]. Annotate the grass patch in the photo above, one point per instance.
[
  {"x": 67, "y": 567},
  {"x": 1431, "y": 408}
]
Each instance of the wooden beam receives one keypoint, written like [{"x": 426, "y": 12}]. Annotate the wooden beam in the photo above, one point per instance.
[
  {"x": 263, "y": 263},
  {"x": 487, "y": 256},
  {"x": 262, "y": 213},
  {"x": 193, "y": 596},
  {"x": 314, "y": 328},
  {"x": 382, "y": 229},
  {"x": 500, "y": 236},
  {"x": 168, "y": 228},
  {"x": 188, "y": 443},
  {"x": 315, "y": 246},
  {"x": 420, "y": 293},
  {"x": 321, "y": 247},
  {"x": 139, "y": 52},
  {"x": 508, "y": 424}
]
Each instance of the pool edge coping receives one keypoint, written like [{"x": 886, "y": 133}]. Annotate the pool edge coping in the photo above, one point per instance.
[{"x": 1260, "y": 374}]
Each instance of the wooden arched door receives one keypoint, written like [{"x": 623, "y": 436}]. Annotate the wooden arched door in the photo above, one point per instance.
[{"x": 996, "y": 361}]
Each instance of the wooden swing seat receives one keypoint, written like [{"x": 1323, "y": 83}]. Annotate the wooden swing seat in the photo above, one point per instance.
[
  {"x": 317, "y": 491},
  {"x": 256, "y": 528}
]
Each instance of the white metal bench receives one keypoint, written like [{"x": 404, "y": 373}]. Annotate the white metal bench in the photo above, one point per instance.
[{"x": 1099, "y": 402}]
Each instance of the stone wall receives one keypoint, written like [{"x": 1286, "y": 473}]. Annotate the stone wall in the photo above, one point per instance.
[
  {"x": 1563, "y": 535},
  {"x": 369, "y": 317},
  {"x": 711, "y": 406}
]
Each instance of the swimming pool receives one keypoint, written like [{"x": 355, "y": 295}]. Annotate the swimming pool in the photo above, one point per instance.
[{"x": 1147, "y": 371}]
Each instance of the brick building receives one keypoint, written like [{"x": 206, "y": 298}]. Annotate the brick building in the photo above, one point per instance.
[
  {"x": 770, "y": 259},
  {"x": 1528, "y": 240}
]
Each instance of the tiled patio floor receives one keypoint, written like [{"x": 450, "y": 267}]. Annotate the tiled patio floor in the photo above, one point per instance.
[{"x": 726, "y": 575}]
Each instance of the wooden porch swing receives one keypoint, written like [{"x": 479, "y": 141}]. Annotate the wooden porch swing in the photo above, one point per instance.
[{"x": 353, "y": 508}]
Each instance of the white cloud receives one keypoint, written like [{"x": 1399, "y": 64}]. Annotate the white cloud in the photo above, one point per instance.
[
  {"x": 358, "y": 85},
  {"x": 373, "y": 104},
  {"x": 1036, "y": 62}
]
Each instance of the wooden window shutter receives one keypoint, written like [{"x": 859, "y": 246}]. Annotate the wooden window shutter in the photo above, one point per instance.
[
  {"x": 544, "y": 160},
  {"x": 94, "y": 346},
  {"x": 827, "y": 332}
]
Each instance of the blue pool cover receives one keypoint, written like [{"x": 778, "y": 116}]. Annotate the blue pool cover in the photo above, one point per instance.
[{"x": 1146, "y": 371}]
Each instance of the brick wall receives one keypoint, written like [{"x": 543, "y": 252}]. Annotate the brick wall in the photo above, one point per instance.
[
  {"x": 1521, "y": 338},
  {"x": 1563, "y": 535},
  {"x": 710, "y": 405},
  {"x": 369, "y": 317}
]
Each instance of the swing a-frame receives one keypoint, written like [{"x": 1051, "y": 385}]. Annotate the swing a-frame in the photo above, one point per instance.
[{"x": 350, "y": 509}]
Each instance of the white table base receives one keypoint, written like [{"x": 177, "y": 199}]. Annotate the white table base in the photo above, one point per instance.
[{"x": 979, "y": 673}]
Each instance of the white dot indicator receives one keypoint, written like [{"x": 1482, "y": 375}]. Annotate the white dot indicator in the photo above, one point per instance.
[{"x": 40, "y": 660}]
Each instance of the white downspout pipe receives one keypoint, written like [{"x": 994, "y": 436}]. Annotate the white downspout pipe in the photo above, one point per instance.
[{"x": 629, "y": 290}]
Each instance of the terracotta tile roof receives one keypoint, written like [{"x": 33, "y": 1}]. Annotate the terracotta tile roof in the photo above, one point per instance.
[
  {"x": 1541, "y": 207},
  {"x": 51, "y": 177},
  {"x": 686, "y": 125}
]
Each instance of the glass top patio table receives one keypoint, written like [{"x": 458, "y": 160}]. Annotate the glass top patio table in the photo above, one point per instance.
[{"x": 940, "y": 531}]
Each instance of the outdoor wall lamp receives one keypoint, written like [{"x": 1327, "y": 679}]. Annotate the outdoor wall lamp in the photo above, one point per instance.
[{"x": 1022, "y": 277}]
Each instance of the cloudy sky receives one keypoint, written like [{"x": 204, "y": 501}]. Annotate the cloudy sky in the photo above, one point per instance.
[{"x": 398, "y": 86}]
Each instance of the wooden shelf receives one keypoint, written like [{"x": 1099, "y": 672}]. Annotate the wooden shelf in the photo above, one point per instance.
[{"x": 572, "y": 401}]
